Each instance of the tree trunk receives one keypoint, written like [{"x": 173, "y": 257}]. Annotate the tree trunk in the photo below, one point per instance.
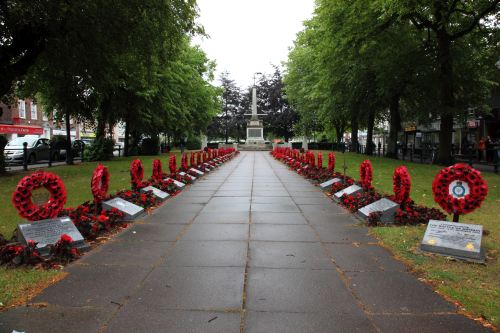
[
  {"x": 100, "y": 132},
  {"x": 447, "y": 98},
  {"x": 369, "y": 134},
  {"x": 69, "y": 155},
  {"x": 394, "y": 127},
  {"x": 127, "y": 134},
  {"x": 354, "y": 129}
]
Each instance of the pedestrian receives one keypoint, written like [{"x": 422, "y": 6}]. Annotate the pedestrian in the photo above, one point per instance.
[
  {"x": 489, "y": 149},
  {"x": 480, "y": 149}
]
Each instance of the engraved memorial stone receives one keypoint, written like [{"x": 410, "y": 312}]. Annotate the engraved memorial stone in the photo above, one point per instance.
[
  {"x": 328, "y": 184},
  {"x": 177, "y": 183},
  {"x": 183, "y": 174},
  {"x": 131, "y": 211},
  {"x": 385, "y": 206},
  {"x": 459, "y": 240},
  {"x": 48, "y": 232},
  {"x": 353, "y": 189},
  {"x": 196, "y": 171},
  {"x": 156, "y": 192},
  {"x": 208, "y": 167}
]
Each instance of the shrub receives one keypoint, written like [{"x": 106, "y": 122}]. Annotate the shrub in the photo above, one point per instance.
[
  {"x": 193, "y": 143},
  {"x": 150, "y": 146},
  {"x": 100, "y": 150}
]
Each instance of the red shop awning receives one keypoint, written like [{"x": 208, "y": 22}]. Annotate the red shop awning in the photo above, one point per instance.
[{"x": 19, "y": 129}]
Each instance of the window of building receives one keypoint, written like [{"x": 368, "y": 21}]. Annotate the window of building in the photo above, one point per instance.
[
  {"x": 45, "y": 118},
  {"x": 34, "y": 111},
  {"x": 22, "y": 109}
]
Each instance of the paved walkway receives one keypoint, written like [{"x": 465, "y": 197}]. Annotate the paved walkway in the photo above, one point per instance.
[{"x": 252, "y": 247}]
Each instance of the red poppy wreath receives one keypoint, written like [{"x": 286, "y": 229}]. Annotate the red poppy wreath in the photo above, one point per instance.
[
  {"x": 100, "y": 183},
  {"x": 157, "y": 170},
  {"x": 21, "y": 198},
  {"x": 136, "y": 173},
  {"x": 331, "y": 162},
  {"x": 401, "y": 184},
  {"x": 366, "y": 174},
  {"x": 459, "y": 189}
]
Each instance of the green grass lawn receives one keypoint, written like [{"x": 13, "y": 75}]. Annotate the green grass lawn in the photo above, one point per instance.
[
  {"x": 476, "y": 287},
  {"x": 17, "y": 283}
]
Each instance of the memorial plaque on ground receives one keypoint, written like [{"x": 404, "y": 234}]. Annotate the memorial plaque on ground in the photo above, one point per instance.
[
  {"x": 454, "y": 239},
  {"x": 328, "y": 184},
  {"x": 208, "y": 168},
  {"x": 48, "y": 232},
  {"x": 131, "y": 211},
  {"x": 177, "y": 183},
  {"x": 385, "y": 206},
  {"x": 156, "y": 192},
  {"x": 197, "y": 172},
  {"x": 183, "y": 174},
  {"x": 353, "y": 189}
]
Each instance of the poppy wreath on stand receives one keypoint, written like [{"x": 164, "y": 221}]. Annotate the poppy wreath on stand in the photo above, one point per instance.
[
  {"x": 191, "y": 159},
  {"x": 459, "y": 189},
  {"x": 331, "y": 162},
  {"x": 401, "y": 184},
  {"x": 100, "y": 183},
  {"x": 320, "y": 160},
  {"x": 157, "y": 170},
  {"x": 184, "y": 162},
  {"x": 136, "y": 174},
  {"x": 366, "y": 174},
  {"x": 21, "y": 197},
  {"x": 172, "y": 164}
]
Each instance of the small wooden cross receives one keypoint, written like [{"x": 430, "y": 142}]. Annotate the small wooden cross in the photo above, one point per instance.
[{"x": 344, "y": 167}]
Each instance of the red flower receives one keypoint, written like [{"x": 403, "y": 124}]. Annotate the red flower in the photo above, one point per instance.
[
  {"x": 136, "y": 173},
  {"x": 463, "y": 177},
  {"x": 102, "y": 218},
  {"x": 100, "y": 183},
  {"x": 21, "y": 198},
  {"x": 66, "y": 238}
]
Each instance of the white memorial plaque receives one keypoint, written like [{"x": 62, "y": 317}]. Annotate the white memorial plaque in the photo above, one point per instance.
[
  {"x": 385, "y": 206},
  {"x": 156, "y": 192},
  {"x": 48, "y": 232},
  {"x": 328, "y": 184},
  {"x": 176, "y": 182},
  {"x": 196, "y": 172},
  {"x": 353, "y": 189},
  {"x": 183, "y": 174},
  {"x": 454, "y": 239},
  {"x": 131, "y": 211}
]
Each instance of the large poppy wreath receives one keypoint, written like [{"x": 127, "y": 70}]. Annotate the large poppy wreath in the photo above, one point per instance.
[
  {"x": 172, "y": 164},
  {"x": 366, "y": 174},
  {"x": 320, "y": 160},
  {"x": 331, "y": 162},
  {"x": 21, "y": 198},
  {"x": 136, "y": 173},
  {"x": 100, "y": 183},
  {"x": 401, "y": 184},
  {"x": 157, "y": 170},
  {"x": 459, "y": 189}
]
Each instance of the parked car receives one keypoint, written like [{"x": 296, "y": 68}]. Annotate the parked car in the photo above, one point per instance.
[{"x": 38, "y": 149}]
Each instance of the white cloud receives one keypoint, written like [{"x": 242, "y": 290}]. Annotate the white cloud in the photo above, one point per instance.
[{"x": 248, "y": 36}]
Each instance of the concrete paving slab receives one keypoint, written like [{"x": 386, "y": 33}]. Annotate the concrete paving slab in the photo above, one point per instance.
[
  {"x": 289, "y": 255},
  {"x": 153, "y": 232},
  {"x": 274, "y": 207},
  {"x": 146, "y": 319},
  {"x": 403, "y": 293},
  {"x": 282, "y": 233},
  {"x": 217, "y": 232},
  {"x": 321, "y": 322},
  {"x": 278, "y": 218},
  {"x": 222, "y": 217},
  {"x": 443, "y": 323},
  {"x": 208, "y": 254},
  {"x": 192, "y": 288},
  {"x": 298, "y": 290}
]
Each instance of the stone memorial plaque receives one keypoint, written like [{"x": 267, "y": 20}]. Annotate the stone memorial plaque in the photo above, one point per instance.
[
  {"x": 183, "y": 174},
  {"x": 328, "y": 184},
  {"x": 156, "y": 192},
  {"x": 48, "y": 232},
  {"x": 207, "y": 166},
  {"x": 385, "y": 206},
  {"x": 177, "y": 183},
  {"x": 454, "y": 239},
  {"x": 196, "y": 171},
  {"x": 131, "y": 211},
  {"x": 353, "y": 189}
]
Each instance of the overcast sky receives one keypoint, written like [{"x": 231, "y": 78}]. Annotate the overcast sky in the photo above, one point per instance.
[{"x": 246, "y": 36}]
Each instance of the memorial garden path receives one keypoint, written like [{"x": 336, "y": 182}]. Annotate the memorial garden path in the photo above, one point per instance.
[{"x": 251, "y": 247}]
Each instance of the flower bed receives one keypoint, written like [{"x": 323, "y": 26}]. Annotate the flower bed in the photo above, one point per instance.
[
  {"x": 359, "y": 200},
  {"x": 89, "y": 218}
]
